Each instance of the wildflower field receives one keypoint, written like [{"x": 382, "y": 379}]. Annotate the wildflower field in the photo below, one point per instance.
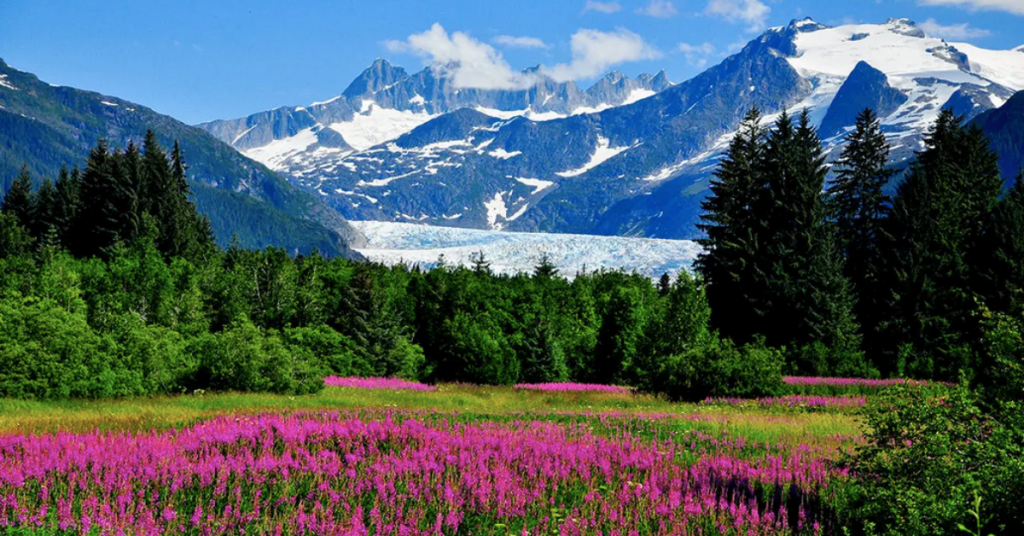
[{"x": 374, "y": 457}]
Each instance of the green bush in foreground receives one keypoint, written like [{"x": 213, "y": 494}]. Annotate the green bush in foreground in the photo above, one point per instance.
[
  {"x": 721, "y": 368},
  {"x": 929, "y": 455}
]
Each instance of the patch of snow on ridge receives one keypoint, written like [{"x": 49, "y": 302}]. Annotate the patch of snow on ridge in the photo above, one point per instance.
[
  {"x": 509, "y": 253},
  {"x": 6, "y": 84},
  {"x": 496, "y": 207},
  {"x": 637, "y": 94},
  {"x": 602, "y": 152},
  {"x": 418, "y": 99},
  {"x": 502, "y": 154},
  {"x": 275, "y": 153},
  {"x": 537, "y": 184},
  {"x": 328, "y": 101},
  {"x": 108, "y": 103},
  {"x": 374, "y": 125}
]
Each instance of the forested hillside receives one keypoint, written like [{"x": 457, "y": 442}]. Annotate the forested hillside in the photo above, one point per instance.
[{"x": 45, "y": 127}]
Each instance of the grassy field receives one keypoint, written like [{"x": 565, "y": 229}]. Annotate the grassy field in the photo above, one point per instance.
[
  {"x": 490, "y": 460},
  {"x": 161, "y": 413}
]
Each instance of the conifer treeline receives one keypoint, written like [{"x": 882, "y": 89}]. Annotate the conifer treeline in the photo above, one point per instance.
[
  {"x": 846, "y": 272},
  {"x": 121, "y": 195}
]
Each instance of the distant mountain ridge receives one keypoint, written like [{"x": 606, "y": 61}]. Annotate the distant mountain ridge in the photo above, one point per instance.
[
  {"x": 46, "y": 126},
  {"x": 638, "y": 168},
  {"x": 384, "y": 101}
]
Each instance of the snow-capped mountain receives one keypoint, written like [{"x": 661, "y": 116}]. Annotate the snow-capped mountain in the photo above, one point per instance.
[
  {"x": 484, "y": 159},
  {"x": 385, "y": 102}
]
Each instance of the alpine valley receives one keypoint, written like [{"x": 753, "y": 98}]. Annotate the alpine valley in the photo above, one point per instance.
[{"x": 624, "y": 157}]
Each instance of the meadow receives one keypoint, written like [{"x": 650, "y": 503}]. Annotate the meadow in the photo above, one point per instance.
[{"x": 393, "y": 458}]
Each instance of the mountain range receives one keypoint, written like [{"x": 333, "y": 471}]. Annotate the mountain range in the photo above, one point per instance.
[
  {"x": 624, "y": 157},
  {"x": 44, "y": 127}
]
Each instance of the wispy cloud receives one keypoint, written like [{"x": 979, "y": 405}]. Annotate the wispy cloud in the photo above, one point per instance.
[
  {"x": 594, "y": 51},
  {"x": 468, "y": 62},
  {"x": 952, "y": 31},
  {"x": 753, "y": 13},
  {"x": 1010, "y": 6},
  {"x": 697, "y": 55},
  {"x": 519, "y": 41},
  {"x": 602, "y": 7},
  {"x": 661, "y": 9}
]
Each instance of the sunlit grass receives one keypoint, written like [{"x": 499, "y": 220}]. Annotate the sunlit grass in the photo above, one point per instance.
[{"x": 160, "y": 413}]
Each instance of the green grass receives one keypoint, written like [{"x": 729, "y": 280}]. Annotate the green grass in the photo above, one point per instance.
[{"x": 482, "y": 403}]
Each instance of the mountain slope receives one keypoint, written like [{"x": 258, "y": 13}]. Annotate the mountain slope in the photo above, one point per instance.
[
  {"x": 46, "y": 126},
  {"x": 1005, "y": 127}
]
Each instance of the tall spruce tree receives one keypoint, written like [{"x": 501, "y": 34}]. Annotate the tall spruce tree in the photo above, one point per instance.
[
  {"x": 130, "y": 191},
  {"x": 97, "y": 221},
  {"x": 18, "y": 199},
  {"x": 731, "y": 231},
  {"x": 44, "y": 210},
  {"x": 771, "y": 264},
  {"x": 999, "y": 256},
  {"x": 859, "y": 207},
  {"x": 808, "y": 299},
  {"x": 66, "y": 204},
  {"x": 937, "y": 220}
]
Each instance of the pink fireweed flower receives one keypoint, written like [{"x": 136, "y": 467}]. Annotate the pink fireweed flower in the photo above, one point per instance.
[
  {"x": 793, "y": 401},
  {"x": 415, "y": 473},
  {"x": 376, "y": 383},
  {"x": 572, "y": 387}
]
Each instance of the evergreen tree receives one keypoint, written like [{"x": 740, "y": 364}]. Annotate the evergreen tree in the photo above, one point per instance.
[
  {"x": 97, "y": 221},
  {"x": 937, "y": 220},
  {"x": 45, "y": 205},
  {"x": 480, "y": 263},
  {"x": 731, "y": 230},
  {"x": 771, "y": 264},
  {"x": 157, "y": 179},
  {"x": 545, "y": 268},
  {"x": 18, "y": 199},
  {"x": 130, "y": 191},
  {"x": 807, "y": 298},
  {"x": 998, "y": 258},
  {"x": 859, "y": 207},
  {"x": 66, "y": 204}
]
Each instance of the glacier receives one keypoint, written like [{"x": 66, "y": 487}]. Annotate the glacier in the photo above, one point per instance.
[{"x": 394, "y": 243}]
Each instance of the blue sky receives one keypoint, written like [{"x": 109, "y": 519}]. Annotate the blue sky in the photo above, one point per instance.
[{"x": 199, "y": 59}]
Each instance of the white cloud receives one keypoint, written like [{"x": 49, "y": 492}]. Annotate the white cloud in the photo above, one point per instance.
[
  {"x": 953, "y": 31},
  {"x": 593, "y": 51},
  {"x": 602, "y": 7},
  {"x": 519, "y": 41},
  {"x": 697, "y": 55},
  {"x": 750, "y": 12},
  {"x": 468, "y": 62},
  {"x": 1012, "y": 6},
  {"x": 661, "y": 9}
]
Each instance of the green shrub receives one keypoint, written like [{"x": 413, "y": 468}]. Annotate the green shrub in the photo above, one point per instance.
[
  {"x": 929, "y": 453},
  {"x": 47, "y": 352},
  {"x": 156, "y": 353},
  {"x": 479, "y": 352},
  {"x": 818, "y": 359},
  {"x": 336, "y": 351},
  {"x": 721, "y": 369},
  {"x": 245, "y": 358}
]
